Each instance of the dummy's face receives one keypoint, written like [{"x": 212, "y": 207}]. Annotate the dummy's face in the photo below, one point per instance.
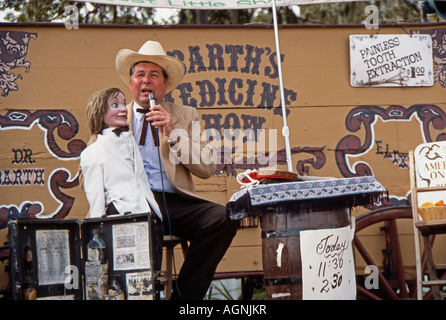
[
  {"x": 116, "y": 115},
  {"x": 147, "y": 77}
]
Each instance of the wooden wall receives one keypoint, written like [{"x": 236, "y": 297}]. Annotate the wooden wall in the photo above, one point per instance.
[{"x": 47, "y": 73}]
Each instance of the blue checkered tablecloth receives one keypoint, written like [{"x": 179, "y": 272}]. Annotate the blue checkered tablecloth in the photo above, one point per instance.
[{"x": 345, "y": 192}]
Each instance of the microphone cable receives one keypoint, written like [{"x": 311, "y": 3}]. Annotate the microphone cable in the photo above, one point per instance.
[{"x": 152, "y": 100}]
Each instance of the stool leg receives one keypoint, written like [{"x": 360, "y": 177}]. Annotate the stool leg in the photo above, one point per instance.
[
  {"x": 430, "y": 266},
  {"x": 169, "y": 261}
]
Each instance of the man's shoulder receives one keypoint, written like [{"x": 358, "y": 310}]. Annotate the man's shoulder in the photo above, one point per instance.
[{"x": 174, "y": 107}]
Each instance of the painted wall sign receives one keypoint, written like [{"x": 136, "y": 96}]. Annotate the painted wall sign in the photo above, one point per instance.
[
  {"x": 27, "y": 169},
  {"x": 427, "y": 117},
  {"x": 439, "y": 52},
  {"x": 13, "y": 51},
  {"x": 391, "y": 60},
  {"x": 234, "y": 63}
]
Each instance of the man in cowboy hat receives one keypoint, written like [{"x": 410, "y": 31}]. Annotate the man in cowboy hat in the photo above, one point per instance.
[{"x": 203, "y": 223}]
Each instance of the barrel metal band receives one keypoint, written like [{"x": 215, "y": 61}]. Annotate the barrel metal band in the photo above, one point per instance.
[
  {"x": 281, "y": 233},
  {"x": 282, "y": 281},
  {"x": 293, "y": 232}
]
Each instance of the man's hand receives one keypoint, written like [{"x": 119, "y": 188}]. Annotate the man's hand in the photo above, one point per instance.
[{"x": 161, "y": 119}]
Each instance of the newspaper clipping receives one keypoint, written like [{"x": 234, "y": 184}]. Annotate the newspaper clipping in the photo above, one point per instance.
[
  {"x": 53, "y": 252},
  {"x": 131, "y": 246}
]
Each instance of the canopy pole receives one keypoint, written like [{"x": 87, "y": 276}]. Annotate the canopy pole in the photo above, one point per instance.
[{"x": 285, "y": 129}]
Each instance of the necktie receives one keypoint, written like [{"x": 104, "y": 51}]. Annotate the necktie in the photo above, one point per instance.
[
  {"x": 118, "y": 130},
  {"x": 142, "y": 139}
]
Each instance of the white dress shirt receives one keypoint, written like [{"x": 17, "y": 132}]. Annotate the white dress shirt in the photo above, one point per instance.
[{"x": 149, "y": 153}]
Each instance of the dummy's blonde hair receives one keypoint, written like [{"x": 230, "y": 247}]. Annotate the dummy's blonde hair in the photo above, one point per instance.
[{"x": 97, "y": 107}]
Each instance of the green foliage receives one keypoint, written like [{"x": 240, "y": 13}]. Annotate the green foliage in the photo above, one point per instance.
[
  {"x": 394, "y": 11},
  {"x": 33, "y": 10},
  {"x": 89, "y": 13},
  {"x": 224, "y": 293}
]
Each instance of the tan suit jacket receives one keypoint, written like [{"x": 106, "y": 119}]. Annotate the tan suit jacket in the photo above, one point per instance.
[{"x": 190, "y": 155}]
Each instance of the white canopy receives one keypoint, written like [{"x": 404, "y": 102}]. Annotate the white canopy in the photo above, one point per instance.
[{"x": 211, "y": 4}]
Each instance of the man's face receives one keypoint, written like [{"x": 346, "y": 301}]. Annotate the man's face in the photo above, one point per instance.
[{"x": 147, "y": 77}]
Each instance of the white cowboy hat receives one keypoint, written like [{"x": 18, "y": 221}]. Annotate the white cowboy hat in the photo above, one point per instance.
[{"x": 151, "y": 51}]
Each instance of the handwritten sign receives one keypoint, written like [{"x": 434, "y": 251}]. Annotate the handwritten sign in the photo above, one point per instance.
[
  {"x": 328, "y": 268},
  {"x": 391, "y": 60}
]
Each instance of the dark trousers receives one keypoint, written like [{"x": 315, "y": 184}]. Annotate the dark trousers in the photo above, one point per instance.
[{"x": 206, "y": 226}]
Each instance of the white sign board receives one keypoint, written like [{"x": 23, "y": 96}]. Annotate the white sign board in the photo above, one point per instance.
[
  {"x": 328, "y": 267},
  {"x": 211, "y": 4},
  {"x": 430, "y": 160},
  {"x": 391, "y": 60}
]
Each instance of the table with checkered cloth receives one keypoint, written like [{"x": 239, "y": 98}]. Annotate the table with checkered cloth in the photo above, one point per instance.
[{"x": 324, "y": 194}]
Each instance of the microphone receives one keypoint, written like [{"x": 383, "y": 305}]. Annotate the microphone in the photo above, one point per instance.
[
  {"x": 152, "y": 99},
  {"x": 152, "y": 103}
]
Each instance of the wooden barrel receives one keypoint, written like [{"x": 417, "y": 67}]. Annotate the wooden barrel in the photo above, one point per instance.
[{"x": 281, "y": 227}]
